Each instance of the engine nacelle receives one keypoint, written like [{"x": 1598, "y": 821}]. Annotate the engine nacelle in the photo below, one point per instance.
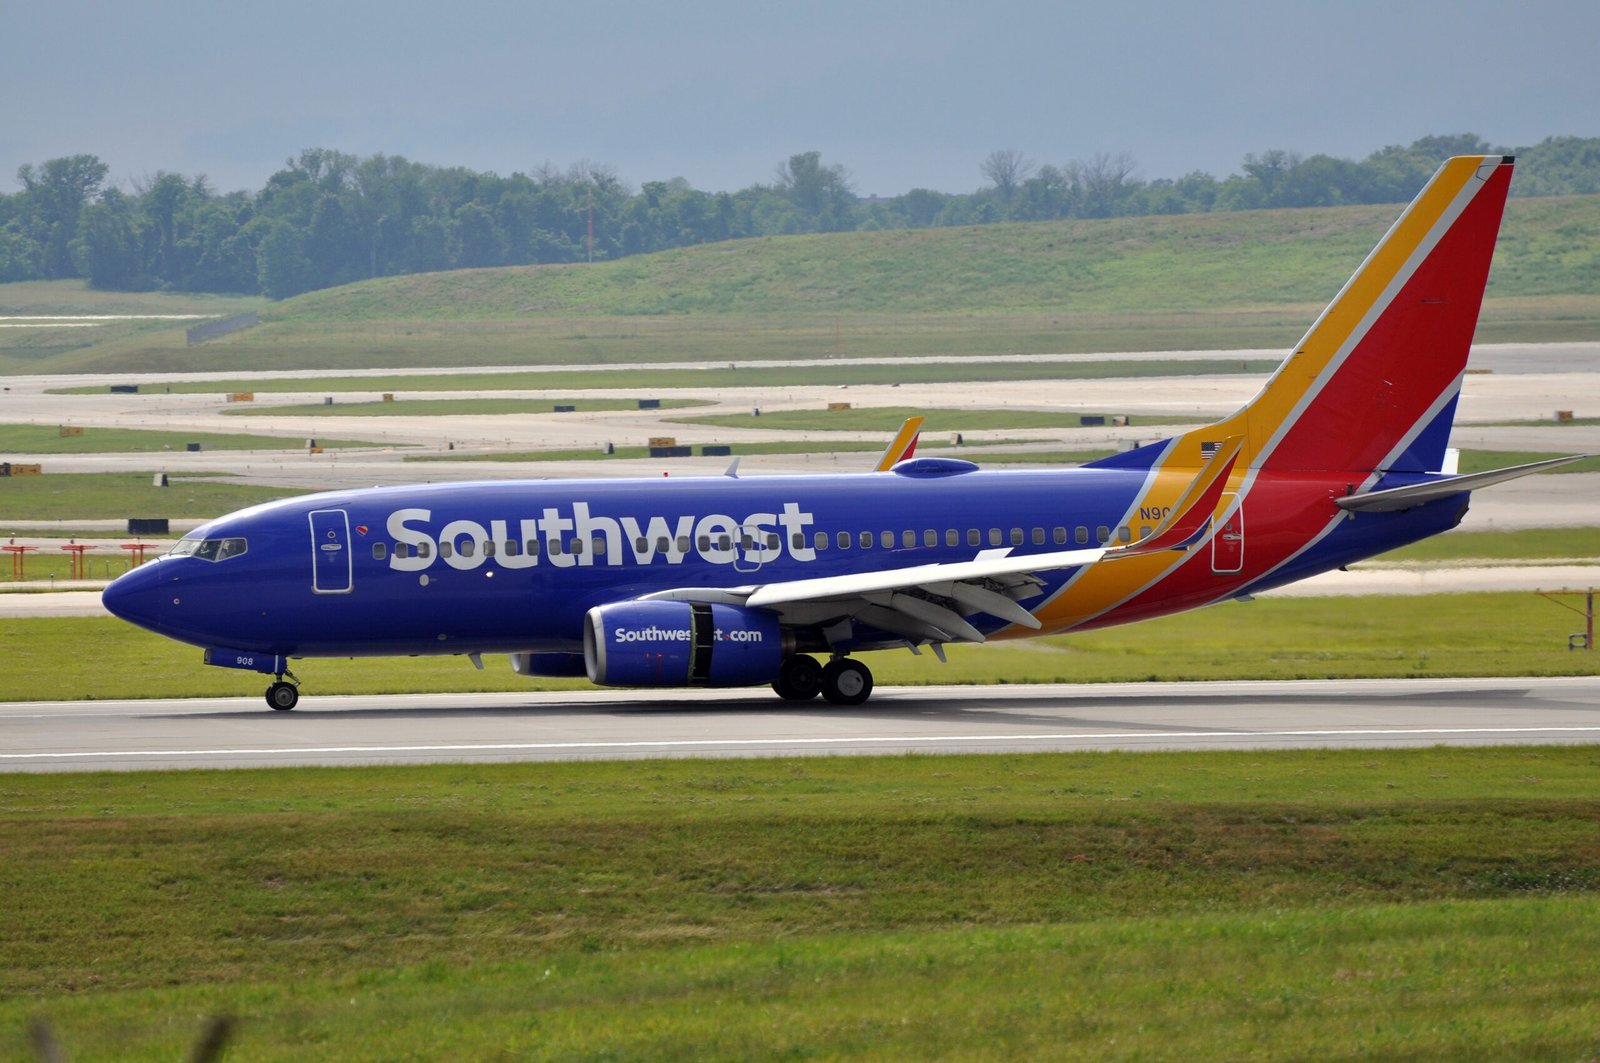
[
  {"x": 549, "y": 665},
  {"x": 676, "y": 644}
]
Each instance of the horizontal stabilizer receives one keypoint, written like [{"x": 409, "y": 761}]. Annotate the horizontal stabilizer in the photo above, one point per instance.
[{"x": 1398, "y": 498}]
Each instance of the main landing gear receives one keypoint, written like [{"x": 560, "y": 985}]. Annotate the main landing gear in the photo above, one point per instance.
[
  {"x": 284, "y": 696},
  {"x": 842, "y": 681}
]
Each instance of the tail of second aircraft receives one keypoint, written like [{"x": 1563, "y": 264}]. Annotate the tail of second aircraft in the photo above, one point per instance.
[{"x": 1372, "y": 386}]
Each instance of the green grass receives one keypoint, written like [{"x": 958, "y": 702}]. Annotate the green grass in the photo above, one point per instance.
[
  {"x": 456, "y": 407},
  {"x": 1194, "y": 262},
  {"x": 1548, "y": 422},
  {"x": 875, "y": 418},
  {"x": 1524, "y": 544},
  {"x": 796, "y": 447},
  {"x": 1283, "y": 905},
  {"x": 1426, "y": 636},
  {"x": 47, "y": 439},
  {"x": 1215, "y": 281},
  {"x": 1484, "y": 460},
  {"x": 757, "y": 375},
  {"x": 93, "y": 496}
]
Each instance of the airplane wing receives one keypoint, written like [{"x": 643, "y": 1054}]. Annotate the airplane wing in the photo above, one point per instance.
[
  {"x": 930, "y": 603},
  {"x": 901, "y": 447},
  {"x": 1392, "y": 499}
]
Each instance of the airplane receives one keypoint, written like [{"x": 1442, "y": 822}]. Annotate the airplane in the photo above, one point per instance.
[{"x": 729, "y": 581}]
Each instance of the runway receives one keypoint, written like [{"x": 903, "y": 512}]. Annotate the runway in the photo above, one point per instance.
[{"x": 607, "y": 725}]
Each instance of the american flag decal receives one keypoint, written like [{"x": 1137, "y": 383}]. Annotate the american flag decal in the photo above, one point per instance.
[{"x": 1209, "y": 450}]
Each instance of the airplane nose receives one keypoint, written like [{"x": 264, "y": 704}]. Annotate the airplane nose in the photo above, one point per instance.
[{"x": 135, "y": 596}]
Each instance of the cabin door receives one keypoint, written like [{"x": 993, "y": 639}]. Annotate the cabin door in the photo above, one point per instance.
[{"x": 331, "y": 563}]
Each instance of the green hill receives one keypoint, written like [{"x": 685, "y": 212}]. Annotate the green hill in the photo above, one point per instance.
[
  {"x": 1208, "y": 281},
  {"x": 1123, "y": 265}
]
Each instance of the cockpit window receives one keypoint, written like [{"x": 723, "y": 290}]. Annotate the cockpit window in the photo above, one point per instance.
[{"x": 209, "y": 549}]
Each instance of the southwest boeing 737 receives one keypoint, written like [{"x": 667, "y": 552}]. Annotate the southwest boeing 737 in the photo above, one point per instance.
[{"x": 747, "y": 580}]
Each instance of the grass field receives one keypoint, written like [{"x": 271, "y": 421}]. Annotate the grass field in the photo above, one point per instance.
[
  {"x": 876, "y": 418},
  {"x": 1425, "y": 636},
  {"x": 1251, "y": 279},
  {"x": 1484, "y": 460},
  {"x": 1281, "y": 905},
  {"x": 797, "y": 447},
  {"x": 1527, "y": 543},
  {"x": 401, "y": 407},
  {"x": 844, "y": 372},
  {"x": 83, "y": 496},
  {"x": 47, "y": 439}
]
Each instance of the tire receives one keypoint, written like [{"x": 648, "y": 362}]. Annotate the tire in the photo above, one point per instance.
[
  {"x": 799, "y": 678},
  {"x": 846, "y": 682},
  {"x": 282, "y": 696}
]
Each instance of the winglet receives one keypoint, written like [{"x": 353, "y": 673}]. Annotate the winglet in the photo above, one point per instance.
[
  {"x": 1191, "y": 513},
  {"x": 902, "y": 446}
]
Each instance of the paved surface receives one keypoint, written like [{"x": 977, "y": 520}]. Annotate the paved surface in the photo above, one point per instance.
[{"x": 130, "y": 735}]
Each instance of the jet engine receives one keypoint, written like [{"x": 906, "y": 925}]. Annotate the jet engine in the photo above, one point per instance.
[{"x": 676, "y": 644}]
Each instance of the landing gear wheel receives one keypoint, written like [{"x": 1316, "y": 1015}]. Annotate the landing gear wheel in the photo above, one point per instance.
[
  {"x": 846, "y": 682},
  {"x": 799, "y": 678},
  {"x": 283, "y": 696}
]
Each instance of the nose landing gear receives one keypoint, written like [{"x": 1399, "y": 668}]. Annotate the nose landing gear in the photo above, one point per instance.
[{"x": 282, "y": 696}]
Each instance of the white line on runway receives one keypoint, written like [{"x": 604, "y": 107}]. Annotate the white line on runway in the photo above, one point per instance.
[{"x": 510, "y": 747}]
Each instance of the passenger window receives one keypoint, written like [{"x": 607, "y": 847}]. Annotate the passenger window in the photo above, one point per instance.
[
  {"x": 908, "y": 538},
  {"x": 952, "y": 537},
  {"x": 488, "y": 547},
  {"x": 974, "y": 537},
  {"x": 1144, "y": 531},
  {"x": 683, "y": 544},
  {"x": 843, "y": 539},
  {"x": 797, "y": 541},
  {"x": 724, "y": 542},
  {"x": 601, "y": 544},
  {"x": 1080, "y": 535},
  {"x": 379, "y": 551},
  {"x": 424, "y": 549},
  {"x": 1102, "y": 534},
  {"x": 866, "y": 540},
  {"x": 704, "y": 542},
  {"x": 445, "y": 549},
  {"x": 402, "y": 550},
  {"x": 641, "y": 544},
  {"x": 1038, "y": 537},
  {"x": 577, "y": 548},
  {"x": 930, "y": 538},
  {"x": 533, "y": 547},
  {"x": 513, "y": 548},
  {"x": 887, "y": 539},
  {"x": 1016, "y": 536},
  {"x": 662, "y": 544},
  {"x": 468, "y": 548},
  {"x": 1060, "y": 536},
  {"x": 820, "y": 540},
  {"x": 994, "y": 536},
  {"x": 1125, "y": 534},
  {"x": 773, "y": 540}
]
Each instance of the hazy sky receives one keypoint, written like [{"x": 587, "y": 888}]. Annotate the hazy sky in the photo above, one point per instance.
[{"x": 720, "y": 91}]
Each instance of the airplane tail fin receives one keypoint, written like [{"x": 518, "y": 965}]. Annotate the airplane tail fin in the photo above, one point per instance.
[{"x": 1372, "y": 386}]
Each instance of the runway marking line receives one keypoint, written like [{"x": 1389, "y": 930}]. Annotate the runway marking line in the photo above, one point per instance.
[{"x": 781, "y": 742}]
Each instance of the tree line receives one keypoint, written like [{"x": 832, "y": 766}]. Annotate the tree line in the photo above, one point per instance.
[{"x": 328, "y": 218}]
